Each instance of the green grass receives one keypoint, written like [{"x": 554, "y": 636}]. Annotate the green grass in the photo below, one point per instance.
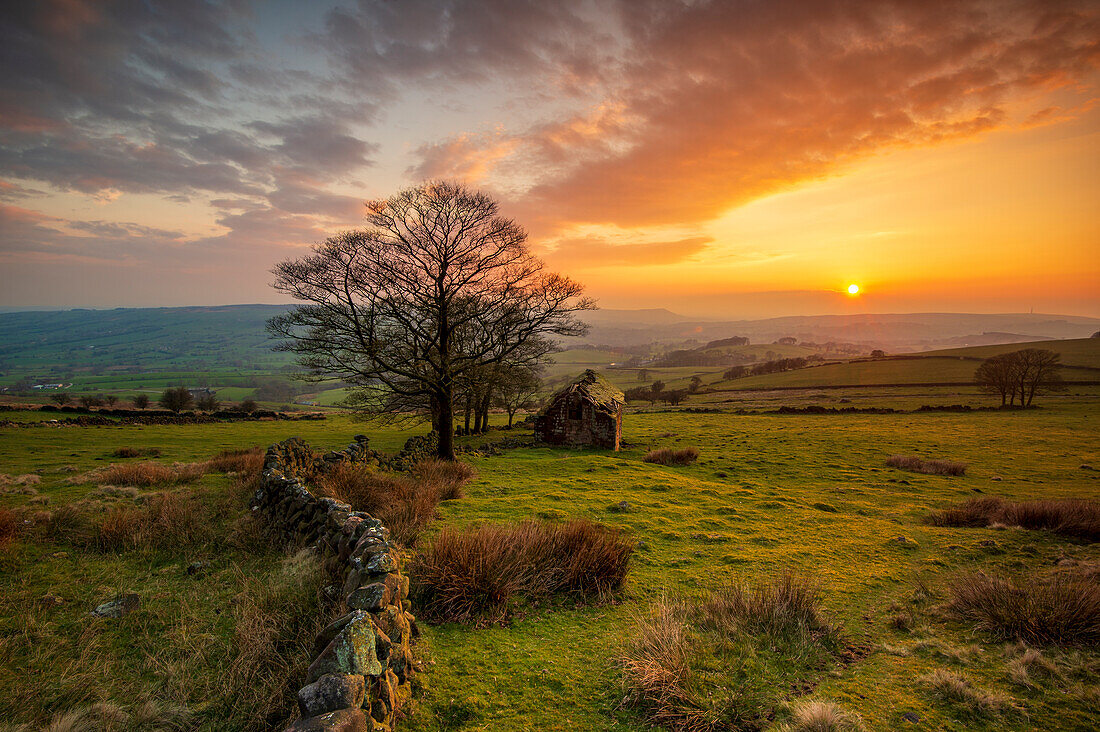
[{"x": 750, "y": 508}]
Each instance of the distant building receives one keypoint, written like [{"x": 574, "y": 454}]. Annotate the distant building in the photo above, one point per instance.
[{"x": 587, "y": 413}]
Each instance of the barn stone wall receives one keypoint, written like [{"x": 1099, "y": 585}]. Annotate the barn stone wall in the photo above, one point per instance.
[
  {"x": 360, "y": 677},
  {"x": 595, "y": 427}
]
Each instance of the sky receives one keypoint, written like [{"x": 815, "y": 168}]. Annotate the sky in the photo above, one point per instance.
[{"x": 729, "y": 159}]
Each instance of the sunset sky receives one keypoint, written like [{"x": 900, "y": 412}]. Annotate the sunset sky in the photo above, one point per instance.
[{"x": 723, "y": 159}]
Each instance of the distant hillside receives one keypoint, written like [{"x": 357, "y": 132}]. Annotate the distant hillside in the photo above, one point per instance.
[
  {"x": 893, "y": 332},
  {"x": 146, "y": 340},
  {"x": 1081, "y": 358}
]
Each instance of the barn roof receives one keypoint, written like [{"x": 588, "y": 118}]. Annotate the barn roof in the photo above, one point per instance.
[{"x": 596, "y": 389}]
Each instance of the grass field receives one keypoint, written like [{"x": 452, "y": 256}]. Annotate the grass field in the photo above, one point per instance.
[{"x": 810, "y": 493}]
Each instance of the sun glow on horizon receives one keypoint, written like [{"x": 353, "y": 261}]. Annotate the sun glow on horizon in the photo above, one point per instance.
[{"x": 853, "y": 289}]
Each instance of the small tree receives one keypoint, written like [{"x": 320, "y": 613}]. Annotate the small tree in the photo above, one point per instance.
[
  {"x": 88, "y": 401},
  {"x": 176, "y": 399},
  {"x": 141, "y": 401},
  {"x": 997, "y": 375},
  {"x": 60, "y": 398},
  {"x": 207, "y": 402},
  {"x": 111, "y": 400},
  {"x": 674, "y": 396},
  {"x": 695, "y": 385},
  {"x": 643, "y": 374},
  {"x": 878, "y": 353},
  {"x": 248, "y": 405},
  {"x": 1037, "y": 373},
  {"x": 516, "y": 387}
]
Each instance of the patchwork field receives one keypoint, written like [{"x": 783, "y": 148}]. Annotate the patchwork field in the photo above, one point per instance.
[{"x": 769, "y": 493}]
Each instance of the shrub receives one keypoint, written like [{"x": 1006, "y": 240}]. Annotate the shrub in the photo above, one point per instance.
[
  {"x": 176, "y": 399},
  {"x": 141, "y": 401},
  {"x": 473, "y": 574},
  {"x": 1075, "y": 517},
  {"x": 668, "y": 456},
  {"x": 8, "y": 524},
  {"x": 149, "y": 474},
  {"x": 450, "y": 475},
  {"x": 930, "y": 467},
  {"x": 1060, "y": 608},
  {"x": 729, "y": 660}
]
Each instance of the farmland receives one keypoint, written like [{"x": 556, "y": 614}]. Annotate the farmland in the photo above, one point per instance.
[{"x": 770, "y": 492}]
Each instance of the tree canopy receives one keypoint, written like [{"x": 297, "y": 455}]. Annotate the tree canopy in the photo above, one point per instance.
[{"x": 438, "y": 286}]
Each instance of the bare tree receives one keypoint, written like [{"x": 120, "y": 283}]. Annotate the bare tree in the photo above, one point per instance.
[
  {"x": 141, "y": 401},
  {"x": 1037, "y": 373},
  {"x": 516, "y": 387},
  {"x": 997, "y": 375},
  {"x": 1024, "y": 374},
  {"x": 439, "y": 286},
  {"x": 60, "y": 398}
]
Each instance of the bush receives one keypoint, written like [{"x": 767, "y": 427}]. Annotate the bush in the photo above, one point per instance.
[
  {"x": 1060, "y": 608},
  {"x": 668, "y": 456},
  {"x": 1076, "y": 517},
  {"x": 729, "y": 660},
  {"x": 149, "y": 474},
  {"x": 176, "y": 399},
  {"x": 472, "y": 575},
  {"x": 930, "y": 467},
  {"x": 169, "y": 520},
  {"x": 141, "y": 401},
  {"x": 450, "y": 475}
]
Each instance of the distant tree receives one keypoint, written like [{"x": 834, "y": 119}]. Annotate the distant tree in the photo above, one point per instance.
[
  {"x": 1037, "y": 373},
  {"x": 734, "y": 372},
  {"x": 1095, "y": 335},
  {"x": 176, "y": 399},
  {"x": 878, "y": 353},
  {"x": 643, "y": 374},
  {"x": 997, "y": 375},
  {"x": 674, "y": 396},
  {"x": 88, "y": 401},
  {"x": 207, "y": 402},
  {"x": 787, "y": 341},
  {"x": 695, "y": 385},
  {"x": 60, "y": 398},
  {"x": 141, "y": 401},
  {"x": 1020, "y": 375},
  {"x": 516, "y": 387},
  {"x": 111, "y": 400},
  {"x": 248, "y": 405}
]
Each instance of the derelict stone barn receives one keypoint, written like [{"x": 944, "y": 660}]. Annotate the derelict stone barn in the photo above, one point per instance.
[{"x": 587, "y": 413}]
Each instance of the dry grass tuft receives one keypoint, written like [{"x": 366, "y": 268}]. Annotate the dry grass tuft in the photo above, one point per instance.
[
  {"x": 959, "y": 690},
  {"x": 930, "y": 467},
  {"x": 247, "y": 462},
  {"x": 406, "y": 505},
  {"x": 133, "y": 452},
  {"x": 9, "y": 522},
  {"x": 275, "y": 623},
  {"x": 729, "y": 660},
  {"x": 169, "y": 520},
  {"x": 1029, "y": 664},
  {"x": 1061, "y": 608},
  {"x": 668, "y": 456},
  {"x": 1076, "y": 517},
  {"x": 473, "y": 574},
  {"x": 823, "y": 716},
  {"x": 150, "y": 474}
]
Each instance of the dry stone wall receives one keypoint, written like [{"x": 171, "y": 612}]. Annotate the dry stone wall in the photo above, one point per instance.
[{"x": 360, "y": 677}]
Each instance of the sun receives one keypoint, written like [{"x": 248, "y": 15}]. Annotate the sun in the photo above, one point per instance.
[{"x": 853, "y": 289}]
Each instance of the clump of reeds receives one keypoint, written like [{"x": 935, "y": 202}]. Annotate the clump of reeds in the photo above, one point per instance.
[
  {"x": 668, "y": 456},
  {"x": 1076, "y": 517},
  {"x": 149, "y": 474},
  {"x": 929, "y": 467},
  {"x": 471, "y": 575},
  {"x": 1061, "y": 608}
]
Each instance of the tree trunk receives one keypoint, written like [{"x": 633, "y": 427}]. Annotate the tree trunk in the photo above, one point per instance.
[
  {"x": 510, "y": 413},
  {"x": 466, "y": 414},
  {"x": 446, "y": 426},
  {"x": 484, "y": 409}
]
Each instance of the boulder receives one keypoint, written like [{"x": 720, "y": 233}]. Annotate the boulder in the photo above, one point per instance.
[
  {"x": 332, "y": 692},
  {"x": 343, "y": 720},
  {"x": 116, "y": 608}
]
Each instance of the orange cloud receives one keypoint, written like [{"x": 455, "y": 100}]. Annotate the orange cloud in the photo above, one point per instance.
[{"x": 593, "y": 251}]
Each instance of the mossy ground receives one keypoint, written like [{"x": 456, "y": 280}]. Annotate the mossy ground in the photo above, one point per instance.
[{"x": 769, "y": 493}]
